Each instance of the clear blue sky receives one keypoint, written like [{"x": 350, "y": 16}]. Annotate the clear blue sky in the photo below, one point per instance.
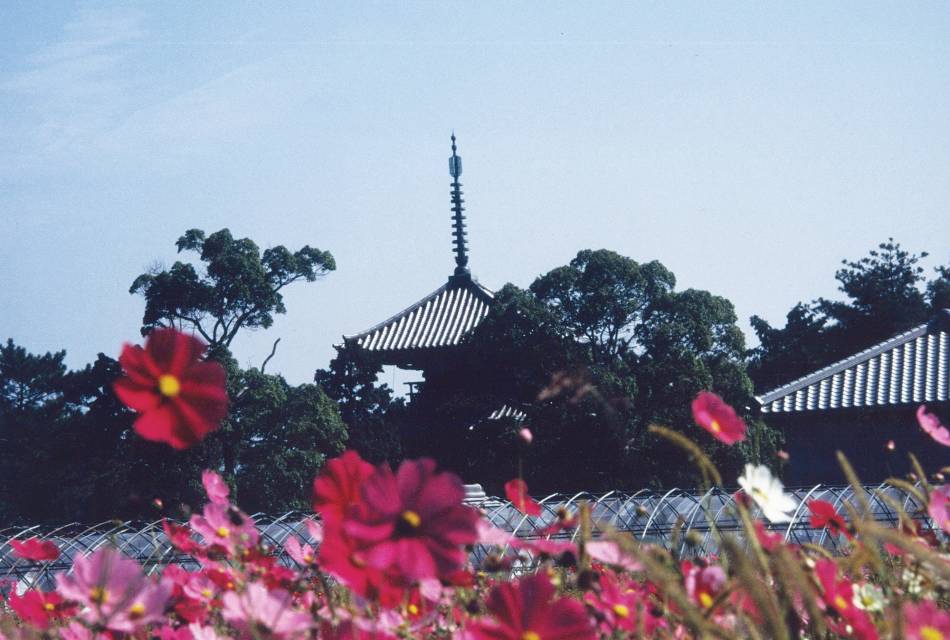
[{"x": 748, "y": 147}]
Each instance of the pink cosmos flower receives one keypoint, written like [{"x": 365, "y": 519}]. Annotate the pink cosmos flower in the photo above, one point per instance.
[
  {"x": 703, "y": 584},
  {"x": 258, "y": 612},
  {"x": 215, "y": 486},
  {"x": 114, "y": 590},
  {"x": 609, "y": 552},
  {"x": 304, "y": 555},
  {"x": 528, "y": 610},
  {"x": 622, "y": 606},
  {"x": 932, "y": 427},
  {"x": 413, "y": 522},
  {"x": 225, "y": 526},
  {"x": 718, "y": 418},
  {"x": 35, "y": 549},
  {"x": 939, "y": 507},
  {"x": 925, "y": 621},
  {"x": 517, "y": 493}
]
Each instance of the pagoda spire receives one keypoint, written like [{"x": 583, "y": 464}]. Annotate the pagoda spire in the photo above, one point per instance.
[{"x": 458, "y": 220}]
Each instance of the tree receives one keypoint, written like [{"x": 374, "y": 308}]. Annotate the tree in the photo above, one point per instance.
[
  {"x": 601, "y": 297},
  {"x": 239, "y": 287},
  {"x": 371, "y": 415},
  {"x": 594, "y": 352},
  {"x": 886, "y": 292}
]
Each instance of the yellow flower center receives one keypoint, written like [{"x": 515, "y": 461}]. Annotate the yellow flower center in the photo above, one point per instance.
[
  {"x": 223, "y": 532},
  {"x": 930, "y": 633},
  {"x": 622, "y": 610},
  {"x": 530, "y": 635},
  {"x": 137, "y": 610},
  {"x": 705, "y": 599},
  {"x": 841, "y": 603},
  {"x": 169, "y": 385},
  {"x": 413, "y": 609},
  {"x": 714, "y": 425},
  {"x": 308, "y": 558},
  {"x": 98, "y": 595},
  {"x": 207, "y": 593},
  {"x": 411, "y": 518},
  {"x": 49, "y": 606}
]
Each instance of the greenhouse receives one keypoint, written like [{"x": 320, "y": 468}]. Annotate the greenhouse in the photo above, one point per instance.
[{"x": 651, "y": 517}]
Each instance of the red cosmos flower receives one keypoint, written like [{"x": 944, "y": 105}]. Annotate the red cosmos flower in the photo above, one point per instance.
[
  {"x": 703, "y": 584},
  {"x": 838, "y": 595},
  {"x": 180, "y": 397},
  {"x": 35, "y": 549},
  {"x": 340, "y": 558},
  {"x": 412, "y": 522},
  {"x": 824, "y": 515},
  {"x": 623, "y": 606},
  {"x": 517, "y": 492},
  {"x": 337, "y": 490},
  {"x": 39, "y": 608},
  {"x": 718, "y": 418},
  {"x": 528, "y": 610}
]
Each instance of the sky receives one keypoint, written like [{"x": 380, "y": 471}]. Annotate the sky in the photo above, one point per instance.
[{"x": 749, "y": 147}]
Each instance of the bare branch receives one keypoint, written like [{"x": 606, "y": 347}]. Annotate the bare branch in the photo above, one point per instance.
[{"x": 272, "y": 352}]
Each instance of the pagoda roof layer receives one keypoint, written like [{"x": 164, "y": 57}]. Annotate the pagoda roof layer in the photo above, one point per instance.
[
  {"x": 909, "y": 368},
  {"x": 441, "y": 319}
]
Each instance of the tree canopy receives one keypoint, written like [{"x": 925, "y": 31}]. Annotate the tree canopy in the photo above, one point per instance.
[
  {"x": 238, "y": 287},
  {"x": 886, "y": 292}
]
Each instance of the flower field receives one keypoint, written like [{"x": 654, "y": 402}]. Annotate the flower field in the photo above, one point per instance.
[{"x": 400, "y": 553}]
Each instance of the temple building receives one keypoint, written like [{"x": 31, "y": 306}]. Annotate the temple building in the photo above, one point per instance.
[
  {"x": 427, "y": 334},
  {"x": 862, "y": 404},
  {"x": 424, "y": 334}
]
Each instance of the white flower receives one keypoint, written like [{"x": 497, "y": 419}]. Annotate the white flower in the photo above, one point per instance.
[
  {"x": 768, "y": 492},
  {"x": 869, "y": 597}
]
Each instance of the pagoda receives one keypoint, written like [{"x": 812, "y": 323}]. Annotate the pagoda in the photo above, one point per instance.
[{"x": 425, "y": 334}]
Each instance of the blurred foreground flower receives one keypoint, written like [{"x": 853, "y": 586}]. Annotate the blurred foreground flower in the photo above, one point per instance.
[
  {"x": 35, "y": 549},
  {"x": 180, "y": 397},
  {"x": 932, "y": 427},
  {"x": 517, "y": 493},
  {"x": 718, "y": 418},
  {"x": 768, "y": 492},
  {"x": 528, "y": 610},
  {"x": 115, "y": 592}
]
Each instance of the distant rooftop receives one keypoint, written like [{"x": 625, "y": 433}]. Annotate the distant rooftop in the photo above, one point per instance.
[
  {"x": 909, "y": 368},
  {"x": 442, "y": 318}
]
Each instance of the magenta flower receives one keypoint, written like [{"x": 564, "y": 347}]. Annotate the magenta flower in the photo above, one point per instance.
[
  {"x": 225, "y": 526},
  {"x": 528, "y": 610},
  {"x": 413, "y": 522},
  {"x": 718, "y": 418},
  {"x": 216, "y": 488},
  {"x": 35, "y": 549},
  {"x": 115, "y": 591},
  {"x": 258, "y": 612},
  {"x": 939, "y": 507},
  {"x": 926, "y": 621},
  {"x": 932, "y": 427}
]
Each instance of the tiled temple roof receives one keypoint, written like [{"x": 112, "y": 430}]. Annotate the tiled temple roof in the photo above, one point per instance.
[
  {"x": 910, "y": 368},
  {"x": 440, "y": 319}
]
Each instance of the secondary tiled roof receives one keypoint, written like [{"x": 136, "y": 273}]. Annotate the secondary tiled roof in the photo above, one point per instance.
[
  {"x": 440, "y": 319},
  {"x": 909, "y": 368}
]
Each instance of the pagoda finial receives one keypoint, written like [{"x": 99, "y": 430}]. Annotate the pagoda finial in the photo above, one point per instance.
[{"x": 458, "y": 220}]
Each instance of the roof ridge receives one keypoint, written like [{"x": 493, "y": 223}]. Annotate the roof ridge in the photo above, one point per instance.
[{"x": 845, "y": 363}]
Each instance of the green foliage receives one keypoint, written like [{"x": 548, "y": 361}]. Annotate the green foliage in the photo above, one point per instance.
[
  {"x": 594, "y": 352},
  {"x": 240, "y": 287},
  {"x": 371, "y": 415}
]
